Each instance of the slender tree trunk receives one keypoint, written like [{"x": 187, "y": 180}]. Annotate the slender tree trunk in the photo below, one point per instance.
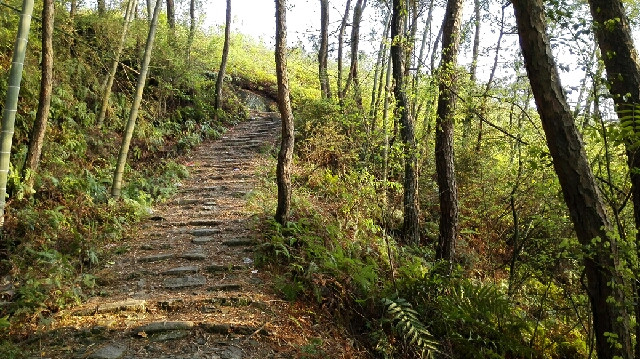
[
  {"x": 434, "y": 51},
  {"x": 444, "y": 156},
  {"x": 355, "y": 41},
  {"x": 343, "y": 26},
  {"x": 378, "y": 72},
  {"x": 102, "y": 7},
  {"x": 150, "y": 8},
  {"x": 133, "y": 115},
  {"x": 11, "y": 101},
  {"x": 36, "y": 139},
  {"x": 474, "y": 68},
  {"x": 385, "y": 126},
  {"x": 223, "y": 62},
  {"x": 114, "y": 66},
  {"x": 285, "y": 156},
  {"x": 171, "y": 16},
  {"x": 613, "y": 34},
  {"x": 411, "y": 230},
  {"x": 192, "y": 27},
  {"x": 323, "y": 53},
  {"x": 581, "y": 193}
]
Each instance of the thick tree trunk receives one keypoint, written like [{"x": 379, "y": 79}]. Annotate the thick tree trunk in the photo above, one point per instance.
[
  {"x": 11, "y": 101},
  {"x": 223, "y": 62},
  {"x": 444, "y": 156},
  {"x": 285, "y": 156},
  {"x": 410, "y": 230},
  {"x": 73, "y": 8},
  {"x": 620, "y": 58},
  {"x": 323, "y": 53},
  {"x": 36, "y": 139},
  {"x": 343, "y": 26},
  {"x": 133, "y": 115},
  {"x": 579, "y": 188},
  {"x": 114, "y": 66}
]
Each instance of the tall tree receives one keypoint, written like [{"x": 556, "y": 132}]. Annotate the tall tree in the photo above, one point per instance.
[
  {"x": 285, "y": 155},
  {"x": 613, "y": 34},
  {"x": 355, "y": 43},
  {"x": 223, "y": 62},
  {"x": 102, "y": 7},
  {"x": 36, "y": 139},
  {"x": 444, "y": 156},
  {"x": 133, "y": 115},
  {"x": 131, "y": 5},
  {"x": 410, "y": 230},
  {"x": 192, "y": 26},
  {"x": 341, "y": 30},
  {"x": 11, "y": 101},
  {"x": 171, "y": 15},
  {"x": 323, "y": 52},
  {"x": 579, "y": 188}
]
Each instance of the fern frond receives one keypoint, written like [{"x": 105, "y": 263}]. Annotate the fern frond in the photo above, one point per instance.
[{"x": 407, "y": 324}]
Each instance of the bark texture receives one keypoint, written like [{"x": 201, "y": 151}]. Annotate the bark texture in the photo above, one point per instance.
[
  {"x": 323, "y": 52},
  {"x": 171, "y": 15},
  {"x": 285, "y": 155},
  {"x": 223, "y": 62},
  {"x": 444, "y": 155},
  {"x": 353, "y": 77},
  {"x": 613, "y": 34},
  {"x": 410, "y": 230},
  {"x": 343, "y": 26},
  {"x": 133, "y": 115},
  {"x": 36, "y": 139},
  {"x": 11, "y": 101},
  {"x": 579, "y": 188}
]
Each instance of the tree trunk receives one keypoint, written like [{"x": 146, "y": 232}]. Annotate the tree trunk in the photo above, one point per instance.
[
  {"x": 133, "y": 115},
  {"x": 473, "y": 70},
  {"x": 355, "y": 41},
  {"x": 378, "y": 74},
  {"x": 613, "y": 34},
  {"x": 323, "y": 53},
  {"x": 285, "y": 156},
  {"x": 73, "y": 8},
  {"x": 343, "y": 26},
  {"x": 150, "y": 8},
  {"x": 410, "y": 230},
  {"x": 579, "y": 188},
  {"x": 114, "y": 66},
  {"x": 171, "y": 15},
  {"x": 192, "y": 27},
  {"x": 102, "y": 7},
  {"x": 444, "y": 156},
  {"x": 223, "y": 62},
  {"x": 36, "y": 138},
  {"x": 11, "y": 101}
]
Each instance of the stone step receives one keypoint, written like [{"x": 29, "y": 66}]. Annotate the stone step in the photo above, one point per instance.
[
  {"x": 130, "y": 305},
  {"x": 181, "y": 270},
  {"x": 156, "y": 257},
  {"x": 228, "y": 287},
  {"x": 188, "y": 281},
  {"x": 214, "y": 268},
  {"x": 240, "y": 242}
]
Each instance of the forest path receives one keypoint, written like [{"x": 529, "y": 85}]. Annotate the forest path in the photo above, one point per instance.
[{"x": 186, "y": 285}]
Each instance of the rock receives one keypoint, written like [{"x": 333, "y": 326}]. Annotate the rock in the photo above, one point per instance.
[
  {"x": 205, "y": 222},
  {"x": 172, "y": 335},
  {"x": 204, "y": 232},
  {"x": 222, "y": 268},
  {"x": 239, "y": 242},
  {"x": 130, "y": 305},
  {"x": 185, "y": 282},
  {"x": 182, "y": 270},
  {"x": 225, "y": 287},
  {"x": 194, "y": 256},
  {"x": 110, "y": 351},
  {"x": 201, "y": 240},
  {"x": 162, "y": 327},
  {"x": 155, "y": 257}
]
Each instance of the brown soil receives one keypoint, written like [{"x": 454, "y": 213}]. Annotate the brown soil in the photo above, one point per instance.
[{"x": 187, "y": 287}]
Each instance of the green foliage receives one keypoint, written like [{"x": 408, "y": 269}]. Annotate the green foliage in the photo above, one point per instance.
[{"x": 406, "y": 323}]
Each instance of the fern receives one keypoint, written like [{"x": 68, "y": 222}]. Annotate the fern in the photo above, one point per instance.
[{"x": 406, "y": 324}]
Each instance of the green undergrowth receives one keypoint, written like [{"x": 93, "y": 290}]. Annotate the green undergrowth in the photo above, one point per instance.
[{"x": 341, "y": 252}]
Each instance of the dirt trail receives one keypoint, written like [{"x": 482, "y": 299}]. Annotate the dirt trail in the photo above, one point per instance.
[{"x": 187, "y": 287}]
